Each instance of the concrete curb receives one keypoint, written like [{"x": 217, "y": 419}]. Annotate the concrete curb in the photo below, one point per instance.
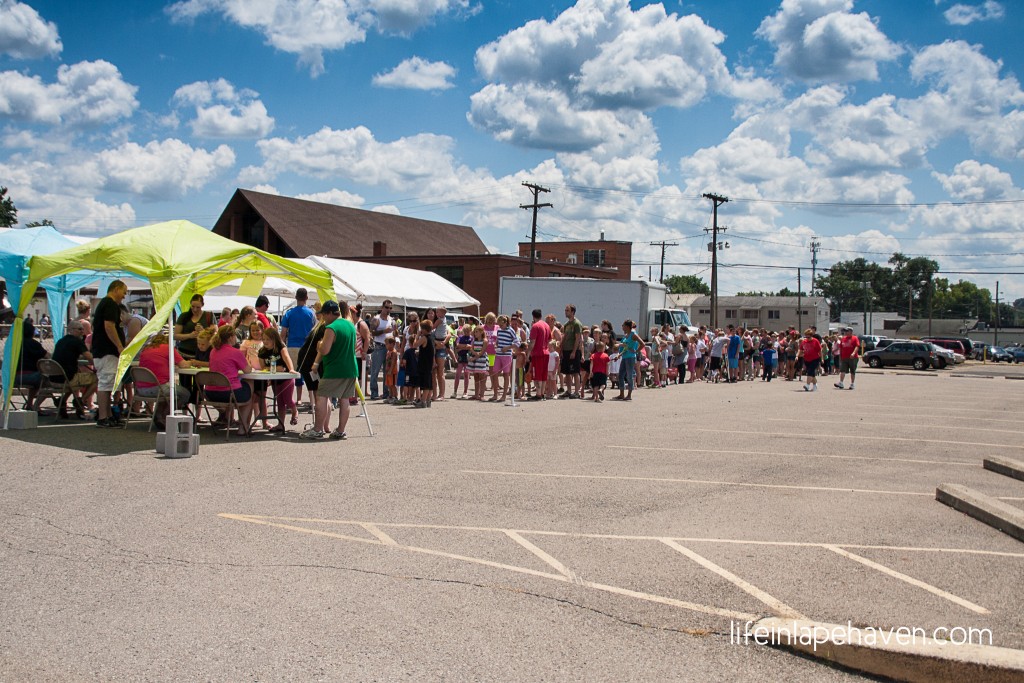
[
  {"x": 1005, "y": 466},
  {"x": 925, "y": 660},
  {"x": 995, "y": 513},
  {"x": 968, "y": 376}
]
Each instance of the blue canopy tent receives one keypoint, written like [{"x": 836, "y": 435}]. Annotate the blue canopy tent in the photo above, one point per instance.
[{"x": 16, "y": 248}]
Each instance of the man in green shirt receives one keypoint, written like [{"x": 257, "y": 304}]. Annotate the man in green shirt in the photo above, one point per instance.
[
  {"x": 572, "y": 353},
  {"x": 337, "y": 351}
]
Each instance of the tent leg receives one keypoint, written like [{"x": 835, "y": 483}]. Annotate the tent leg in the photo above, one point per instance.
[
  {"x": 513, "y": 385},
  {"x": 362, "y": 403}
]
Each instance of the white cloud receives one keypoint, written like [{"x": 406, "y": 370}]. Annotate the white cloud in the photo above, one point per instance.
[
  {"x": 355, "y": 154},
  {"x": 334, "y": 196},
  {"x": 417, "y": 73},
  {"x": 26, "y": 35},
  {"x": 221, "y": 111},
  {"x": 968, "y": 97},
  {"x": 973, "y": 181},
  {"x": 582, "y": 77},
  {"x": 161, "y": 170},
  {"x": 308, "y": 28},
  {"x": 87, "y": 93},
  {"x": 820, "y": 40},
  {"x": 962, "y": 15}
]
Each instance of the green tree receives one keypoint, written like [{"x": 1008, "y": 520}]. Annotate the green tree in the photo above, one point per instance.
[
  {"x": 8, "y": 212},
  {"x": 686, "y": 284},
  {"x": 39, "y": 224}
]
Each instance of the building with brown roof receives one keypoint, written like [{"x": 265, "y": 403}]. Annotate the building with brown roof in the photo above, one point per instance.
[
  {"x": 297, "y": 228},
  {"x": 600, "y": 253}
]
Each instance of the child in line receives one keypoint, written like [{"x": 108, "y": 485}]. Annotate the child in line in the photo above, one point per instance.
[
  {"x": 411, "y": 369},
  {"x": 599, "y": 371},
  {"x": 391, "y": 370},
  {"x": 463, "y": 345},
  {"x": 507, "y": 341},
  {"x": 552, "y": 385},
  {"x": 478, "y": 363},
  {"x": 768, "y": 356}
]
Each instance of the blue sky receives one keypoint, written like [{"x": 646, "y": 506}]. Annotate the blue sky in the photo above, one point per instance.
[{"x": 897, "y": 125}]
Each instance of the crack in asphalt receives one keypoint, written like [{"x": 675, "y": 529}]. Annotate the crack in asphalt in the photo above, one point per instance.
[{"x": 138, "y": 555}]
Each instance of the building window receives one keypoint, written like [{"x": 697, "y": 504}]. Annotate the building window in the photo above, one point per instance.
[
  {"x": 536, "y": 255},
  {"x": 593, "y": 257},
  {"x": 252, "y": 234},
  {"x": 774, "y": 315},
  {"x": 730, "y": 313},
  {"x": 554, "y": 275},
  {"x": 453, "y": 274},
  {"x": 705, "y": 311},
  {"x": 750, "y": 315},
  {"x": 572, "y": 258}
]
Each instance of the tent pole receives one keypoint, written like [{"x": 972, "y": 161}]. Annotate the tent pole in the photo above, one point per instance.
[{"x": 170, "y": 361}]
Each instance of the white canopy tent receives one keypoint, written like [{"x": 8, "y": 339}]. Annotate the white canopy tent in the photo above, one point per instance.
[
  {"x": 370, "y": 283},
  {"x": 411, "y": 288}
]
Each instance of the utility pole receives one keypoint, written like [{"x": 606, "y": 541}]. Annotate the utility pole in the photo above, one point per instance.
[
  {"x": 799, "y": 302},
  {"x": 815, "y": 247},
  {"x": 866, "y": 285},
  {"x": 995, "y": 342},
  {"x": 931, "y": 299},
  {"x": 716, "y": 199},
  {"x": 536, "y": 189},
  {"x": 663, "y": 244}
]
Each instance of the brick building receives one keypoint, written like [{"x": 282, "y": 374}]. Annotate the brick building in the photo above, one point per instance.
[{"x": 601, "y": 253}]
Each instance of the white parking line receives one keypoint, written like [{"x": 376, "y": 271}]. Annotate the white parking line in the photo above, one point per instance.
[
  {"x": 780, "y": 607},
  {"x": 909, "y": 414},
  {"x": 962, "y": 463},
  {"x": 909, "y": 579}
]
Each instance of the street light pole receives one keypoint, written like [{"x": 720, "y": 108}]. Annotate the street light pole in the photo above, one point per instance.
[{"x": 931, "y": 300}]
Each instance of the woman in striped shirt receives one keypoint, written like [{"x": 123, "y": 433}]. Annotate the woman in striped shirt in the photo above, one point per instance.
[{"x": 507, "y": 341}]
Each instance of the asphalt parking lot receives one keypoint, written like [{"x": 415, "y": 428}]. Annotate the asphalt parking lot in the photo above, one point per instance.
[{"x": 551, "y": 540}]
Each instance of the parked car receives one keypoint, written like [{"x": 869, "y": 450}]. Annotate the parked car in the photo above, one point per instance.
[
  {"x": 870, "y": 341},
  {"x": 1018, "y": 354},
  {"x": 919, "y": 355},
  {"x": 995, "y": 354},
  {"x": 943, "y": 357},
  {"x": 954, "y": 345}
]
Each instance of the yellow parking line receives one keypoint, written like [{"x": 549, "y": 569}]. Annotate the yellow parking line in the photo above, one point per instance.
[
  {"x": 703, "y": 481},
  {"x": 908, "y": 579},
  {"x": 901, "y": 425},
  {"x": 800, "y": 455},
  {"x": 863, "y": 437}
]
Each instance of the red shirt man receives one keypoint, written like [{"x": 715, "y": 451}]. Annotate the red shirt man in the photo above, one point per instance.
[{"x": 540, "y": 335}]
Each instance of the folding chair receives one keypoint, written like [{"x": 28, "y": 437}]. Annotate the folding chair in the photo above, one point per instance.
[
  {"x": 217, "y": 381},
  {"x": 55, "y": 382},
  {"x": 140, "y": 374}
]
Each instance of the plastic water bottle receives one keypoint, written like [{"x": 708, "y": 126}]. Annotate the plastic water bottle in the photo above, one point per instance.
[{"x": 273, "y": 364}]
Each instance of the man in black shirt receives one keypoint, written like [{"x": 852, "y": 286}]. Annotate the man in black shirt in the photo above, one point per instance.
[
  {"x": 66, "y": 353},
  {"x": 32, "y": 352},
  {"x": 107, "y": 345}
]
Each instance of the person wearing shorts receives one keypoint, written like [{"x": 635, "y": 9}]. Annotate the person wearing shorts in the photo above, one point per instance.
[
  {"x": 540, "y": 335},
  {"x": 337, "y": 350},
  {"x": 810, "y": 352},
  {"x": 506, "y": 344},
  {"x": 107, "y": 345},
  {"x": 849, "y": 357}
]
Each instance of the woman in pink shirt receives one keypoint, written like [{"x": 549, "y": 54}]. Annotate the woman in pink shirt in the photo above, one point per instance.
[
  {"x": 229, "y": 361},
  {"x": 154, "y": 358}
]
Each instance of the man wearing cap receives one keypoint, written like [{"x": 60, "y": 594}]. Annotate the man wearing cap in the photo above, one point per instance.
[
  {"x": 337, "y": 351},
  {"x": 296, "y": 325},
  {"x": 381, "y": 327},
  {"x": 849, "y": 356}
]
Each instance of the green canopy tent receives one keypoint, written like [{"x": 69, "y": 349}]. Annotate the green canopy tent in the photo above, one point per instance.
[{"x": 178, "y": 258}]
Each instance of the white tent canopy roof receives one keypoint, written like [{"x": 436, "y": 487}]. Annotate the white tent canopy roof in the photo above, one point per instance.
[
  {"x": 354, "y": 281},
  {"x": 404, "y": 286}
]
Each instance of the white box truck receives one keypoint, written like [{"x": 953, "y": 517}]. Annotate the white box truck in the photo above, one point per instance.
[{"x": 646, "y": 303}]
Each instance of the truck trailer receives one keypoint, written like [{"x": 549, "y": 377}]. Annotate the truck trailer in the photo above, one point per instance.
[{"x": 645, "y": 303}]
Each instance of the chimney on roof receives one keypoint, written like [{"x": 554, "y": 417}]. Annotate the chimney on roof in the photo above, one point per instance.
[
  {"x": 602, "y": 235},
  {"x": 380, "y": 249}
]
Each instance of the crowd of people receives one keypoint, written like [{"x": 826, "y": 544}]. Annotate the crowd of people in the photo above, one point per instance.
[{"x": 326, "y": 348}]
